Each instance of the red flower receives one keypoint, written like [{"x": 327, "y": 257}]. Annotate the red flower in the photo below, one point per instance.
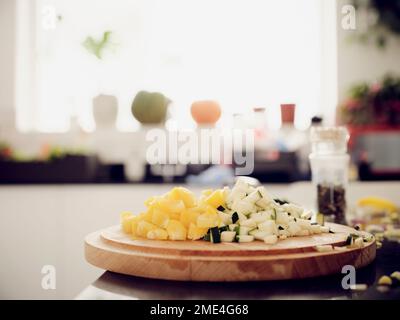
[
  {"x": 375, "y": 88},
  {"x": 352, "y": 104}
]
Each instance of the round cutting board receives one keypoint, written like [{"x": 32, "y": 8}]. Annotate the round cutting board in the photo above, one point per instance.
[{"x": 113, "y": 250}]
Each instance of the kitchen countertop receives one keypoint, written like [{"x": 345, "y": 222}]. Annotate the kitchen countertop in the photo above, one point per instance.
[
  {"x": 46, "y": 224},
  {"x": 117, "y": 286}
]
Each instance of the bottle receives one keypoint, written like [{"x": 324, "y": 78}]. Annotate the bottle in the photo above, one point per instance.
[{"x": 329, "y": 162}]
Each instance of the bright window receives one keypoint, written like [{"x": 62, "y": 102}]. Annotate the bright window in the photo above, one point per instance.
[{"x": 243, "y": 53}]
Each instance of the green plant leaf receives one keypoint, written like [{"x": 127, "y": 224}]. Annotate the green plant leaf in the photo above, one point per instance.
[{"x": 97, "y": 47}]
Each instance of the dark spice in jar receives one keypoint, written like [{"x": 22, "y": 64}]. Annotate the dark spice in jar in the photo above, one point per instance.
[{"x": 332, "y": 202}]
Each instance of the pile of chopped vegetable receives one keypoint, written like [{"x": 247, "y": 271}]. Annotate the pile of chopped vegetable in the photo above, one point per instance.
[{"x": 242, "y": 214}]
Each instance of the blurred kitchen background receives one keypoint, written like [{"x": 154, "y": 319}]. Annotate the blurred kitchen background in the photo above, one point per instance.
[{"x": 73, "y": 110}]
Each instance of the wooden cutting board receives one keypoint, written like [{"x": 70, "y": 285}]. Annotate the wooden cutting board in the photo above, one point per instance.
[{"x": 112, "y": 250}]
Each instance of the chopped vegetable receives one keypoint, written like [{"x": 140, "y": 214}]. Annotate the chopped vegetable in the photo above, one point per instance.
[
  {"x": 359, "y": 287},
  {"x": 228, "y": 236},
  {"x": 250, "y": 223},
  {"x": 235, "y": 217},
  {"x": 232, "y": 227},
  {"x": 359, "y": 242},
  {"x": 324, "y": 248},
  {"x": 396, "y": 275},
  {"x": 244, "y": 230},
  {"x": 271, "y": 239},
  {"x": 215, "y": 236},
  {"x": 385, "y": 281},
  {"x": 325, "y": 229},
  {"x": 280, "y": 201},
  {"x": 243, "y": 213},
  {"x": 245, "y": 238},
  {"x": 344, "y": 248}
]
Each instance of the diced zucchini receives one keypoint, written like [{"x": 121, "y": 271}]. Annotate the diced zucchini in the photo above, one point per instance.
[
  {"x": 253, "y": 232},
  {"x": 250, "y": 223},
  {"x": 293, "y": 209},
  {"x": 268, "y": 226},
  {"x": 239, "y": 191},
  {"x": 265, "y": 200},
  {"x": 242, "y": 217},
  {"x": 293, "y": 228},
  {"x": 284, "y": 233},
  {"x": 274, "y": 215},
  {"x": 324, "y": 229},
  {"x": 307, "y": 214},
  {"x": 235, "y": 217},
  {"x": 316, "y": 229},
  {"x": 282, "y": 217},
  {"x": 228, "y": 236},
  {"x": 304, "y": 224},
  {"x": 232, "y": 227},
  {"x": 281, "y": 201},
  {"x": 303, "y": 232},
  {"x": 244, "y": 231},
  {"x": 260, "y": 235},
  {"x": 324, "y": 248},
  {"x": 245, "y": 238},
  {"x": 215, "y": 236},
  {"x": 207, "y": 237},
  {"x": 225, "y": 218},
  {"x": 271, "y": 239},
  {"x": 349, "y": 240},
  {"x": 259, "y": 217},
  {"x": 243, "y": 207},
  {"x": 359, "y": 242},
  {"x": 253, "y": 197}
]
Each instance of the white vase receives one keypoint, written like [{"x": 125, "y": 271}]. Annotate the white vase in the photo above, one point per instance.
[{"x": 105, "y": 110}]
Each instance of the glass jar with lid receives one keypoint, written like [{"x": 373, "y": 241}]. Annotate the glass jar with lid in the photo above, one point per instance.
[{"x": 329, "y": 162}]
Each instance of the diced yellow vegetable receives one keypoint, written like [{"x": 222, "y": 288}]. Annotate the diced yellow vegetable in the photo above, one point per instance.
[
  {"x": 169, "y": 205},
  {"x": 189, "y": 216},
  {"x": 160, "y": 218},
  {"x": 126, "y": 218},
  {"x": 147, "y": 216},
  {"x": 125, "y": 214},
  {"x": 207, "y": 192},
  {"x": 385, "y": 281},
  {"x": 216, "y": 199},
  {"x": 176, "y": 230},
  {"x": 180, "y": 193},
  {"x": 208, "y": 220},
  {"x": 134, "y": 224},
  {"x": 378, "y": 203},
  {"x": 210, "y": 210},
  {"x": 157, "y": 234},
  {"x": 196, "y": 232},
  {"x": 150, "y": 201},
  {"x": 143, "y": 227},
  {"x": 395, "y": 275}
]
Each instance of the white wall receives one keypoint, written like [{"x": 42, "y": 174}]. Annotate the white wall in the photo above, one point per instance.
[
  {"x": 7, "y": 53},
  {"x": 355, "y": 61},
  {"x": 363, "y": 62}
]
